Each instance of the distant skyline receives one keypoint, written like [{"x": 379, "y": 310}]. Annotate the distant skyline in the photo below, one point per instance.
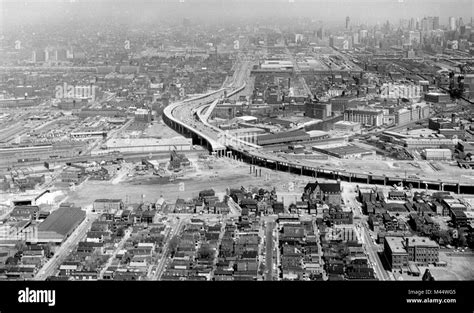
[{"x": 332, "y": 12}]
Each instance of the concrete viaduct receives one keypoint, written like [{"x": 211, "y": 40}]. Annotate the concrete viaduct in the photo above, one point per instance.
[{"x": 250, "y": 153}]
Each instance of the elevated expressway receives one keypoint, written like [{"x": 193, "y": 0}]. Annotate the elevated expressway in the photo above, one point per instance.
[{"x": 189, "y": 117}]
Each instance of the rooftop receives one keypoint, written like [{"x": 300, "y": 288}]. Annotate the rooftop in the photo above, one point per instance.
[
  {"x": 62, "y": 221},
  {"x": 395, "y": 244},
  {"x": 421, "y": 241}
]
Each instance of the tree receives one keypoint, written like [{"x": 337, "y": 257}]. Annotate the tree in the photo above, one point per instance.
[
  {"x": 174, "y": 244},
  {"x": 20, "y": 246},
  {"x": 120, "y": 232},
  {"x": 48, "y": 249},
  {"x": 441, "y": 236},
  {"x": 292, "y": 207},
  {"x": 462, "y": 241},
  {"x": 206, "y": 252}
]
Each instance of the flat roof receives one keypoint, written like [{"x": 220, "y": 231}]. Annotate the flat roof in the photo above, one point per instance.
[
  {"x": 348, "y": 149},
  {"x": 396, "y": 244},
  {"x": 421, "y": 241},
  {"x": 316, "y": 133},
  {"x": 349, "y": 123},
  {"x": 108, "y": 200},
  {"x": 247, "y": 118},
  {"x": 288, "y": 134},
  {"x": 147, "y": 142}
]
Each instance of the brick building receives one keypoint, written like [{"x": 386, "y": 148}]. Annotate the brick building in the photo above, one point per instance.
[{"x": 420, "y": 250}]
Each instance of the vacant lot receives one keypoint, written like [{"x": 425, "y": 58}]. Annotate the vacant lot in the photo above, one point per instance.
[{"x": 223, "y": 173}]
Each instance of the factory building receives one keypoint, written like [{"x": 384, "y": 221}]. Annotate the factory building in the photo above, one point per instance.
[
  {"x": 107, "y": 205},
  {"x": 346, "y": 152},
  {"x": 347, "y": 126},
  {"x": 143, "y": 115},
  {"x": 277, "y": 64},
  {"x": 364, "y": 117},
  {"x": 395, "y": 252},
  {"x": 319, "y": 111},
  {"x": 437, "y": 154},
  {"x": 60, "y": 224},
  {"x": 149, "y": 145},
  {"x": 419, "y": 250},
  {"x": 436, "y": 97},
  {"x": 282, "y": 137},
  {"x": 433, "y": 142},
  {"x": 227, "y": 110},
  {"x": 438, "y": 123},
  {"x": 37, "y": 152},
  {"x": 104, "y": 112},
  {"x": 414, "y": 113},
  {"x": 18, "y": 102}
]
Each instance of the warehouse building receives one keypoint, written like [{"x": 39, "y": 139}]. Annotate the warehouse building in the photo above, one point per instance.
[
  {"x": 437, "y": 154},
  {"x": 60, "y": 224},
  {"x": 436, "y": 97},
  {"x": 346, "y": 152},
  {"x": 400, "y": 251},
  {"x": 347, "y": 126},
  {"x": 431, "y": 142},
  {"x": 283, "y": 137},
  {"x": 145, "y": 145},
  {"x": 422, "y": 250},
  {"x": 107, "y": 205},
  {"x": 395, "y": 252},
  {"x": 318, "y": 110},
  {"x": 414, "y": 113},
  {"x": 365, "y": 117}
]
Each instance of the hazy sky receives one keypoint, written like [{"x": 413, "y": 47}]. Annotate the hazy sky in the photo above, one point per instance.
[{"x": 331, "y": 11}]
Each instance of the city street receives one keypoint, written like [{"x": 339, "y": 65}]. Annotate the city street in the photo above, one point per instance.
[
  {"x": 360, "y": 221},
  {"x": 161, "y": 266},
  {"x": 50, "y": 267},
  {"x": 269, "y": 248},
  {"x": 119, "y": 247}
]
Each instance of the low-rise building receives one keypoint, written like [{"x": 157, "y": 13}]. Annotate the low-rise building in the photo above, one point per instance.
[
  {"x": 107, "y": 205},
  {"x": 419, "y": 250},
  {"x": 422, "y": 250},
  {"x": 60, "y": 224}
]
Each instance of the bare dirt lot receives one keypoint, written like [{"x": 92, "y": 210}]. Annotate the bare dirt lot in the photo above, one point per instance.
[
  {"x": 223, "y": 173},
  {"x": 161, "y": 130}
]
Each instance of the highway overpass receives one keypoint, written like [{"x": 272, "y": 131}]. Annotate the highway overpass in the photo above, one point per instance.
[{"x": 252, "y": 155}]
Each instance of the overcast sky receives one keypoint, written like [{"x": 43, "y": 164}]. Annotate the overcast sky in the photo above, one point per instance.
[{"x": 331, "y": 11}]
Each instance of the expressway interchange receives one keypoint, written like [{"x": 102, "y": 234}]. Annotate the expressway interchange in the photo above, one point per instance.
[{"x": 187, "y": 117}]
